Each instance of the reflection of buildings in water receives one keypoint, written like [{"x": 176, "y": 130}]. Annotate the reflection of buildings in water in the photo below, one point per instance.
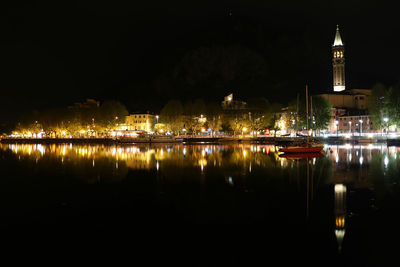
[
  {"x": 351, "y": 162},
  {"x": 241, "y": 159},
  {"x": 135, "y": 157},
  {"x": 340, "y": 213}
]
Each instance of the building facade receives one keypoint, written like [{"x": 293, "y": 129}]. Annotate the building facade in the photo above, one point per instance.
[
  {"x": 139, "y": 122},
  {"x": 349, "y": 99},
  {"x": 338, "y": 63},
  {"x": 230, "y": 103},
  {"x": 355, "y": 123},
  {"x": 349, "y": 107}
]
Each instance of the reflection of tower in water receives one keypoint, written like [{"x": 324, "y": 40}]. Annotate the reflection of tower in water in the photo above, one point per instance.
[{"x": 340, "y": 213}]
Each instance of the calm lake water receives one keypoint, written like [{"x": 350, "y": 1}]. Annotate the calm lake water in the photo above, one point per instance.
[{"x": 339, "y": 209}]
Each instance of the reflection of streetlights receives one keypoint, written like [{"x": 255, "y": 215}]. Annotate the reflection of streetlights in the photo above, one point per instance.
[
  {"x": 337, "y": 128},
  {"x": 361, "y": 121}
]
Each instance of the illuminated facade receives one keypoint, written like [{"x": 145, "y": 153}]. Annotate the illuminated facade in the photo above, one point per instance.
[
  {"x": 348, "y": 105},
  {"x": 355, "y": 123},
  {"x": 229, "y": 103},
  {"x": 351, "y": 99},
  {"x": 338, "y": 63},
  {"x": 139, "y": 122}
]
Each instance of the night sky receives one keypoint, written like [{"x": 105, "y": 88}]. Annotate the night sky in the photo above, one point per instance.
[{"x": 53, "y": 54}]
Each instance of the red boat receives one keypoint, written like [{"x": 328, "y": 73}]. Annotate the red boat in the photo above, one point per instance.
[
  {"x": 302, "y": 149},
  {"x": 301, "y": 155}
]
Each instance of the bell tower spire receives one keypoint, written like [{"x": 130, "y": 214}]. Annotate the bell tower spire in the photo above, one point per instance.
[{"x": 338, "y": 63}]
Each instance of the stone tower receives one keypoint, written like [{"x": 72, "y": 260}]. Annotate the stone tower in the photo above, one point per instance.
[{"x": 338, "y": 63}]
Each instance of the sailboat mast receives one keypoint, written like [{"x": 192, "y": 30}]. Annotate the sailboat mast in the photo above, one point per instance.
[
  {"x": 297, "y": 113},
  {"x": 307, "y": 111},
  {"x": 311, "y": 117}
]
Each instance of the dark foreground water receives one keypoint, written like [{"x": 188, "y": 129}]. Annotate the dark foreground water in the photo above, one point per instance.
[{"x": 212, "y": 205}]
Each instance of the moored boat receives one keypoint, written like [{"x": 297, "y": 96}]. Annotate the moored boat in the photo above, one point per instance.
[
  {"x": 305, "y": 146},
  {"x": 301, "y": 155},
  {"x": 150, "y": 139},
  {"x": 302, "y": 149}
]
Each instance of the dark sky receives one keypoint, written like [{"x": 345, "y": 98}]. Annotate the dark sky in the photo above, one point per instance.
[{"x": 53, "y": 54}]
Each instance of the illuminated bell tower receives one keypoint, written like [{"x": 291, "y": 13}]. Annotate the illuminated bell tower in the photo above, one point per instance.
[{"x": 338, "y": 63}]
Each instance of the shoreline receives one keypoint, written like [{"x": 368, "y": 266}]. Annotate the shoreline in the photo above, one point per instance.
[{"x": 199, "y": 140}]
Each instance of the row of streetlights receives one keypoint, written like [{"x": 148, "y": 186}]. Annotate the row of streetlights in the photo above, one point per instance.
[
  {"x": 361, "y": 122},
  {"x": 350, "y": 122}
]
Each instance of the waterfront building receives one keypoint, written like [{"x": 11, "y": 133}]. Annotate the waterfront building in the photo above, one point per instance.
[
  {"x": 230, "y": 104},
  {"x": 355, "y": 122},
  {"x": 350, "y": 104},
  {"x": 139, "y": 122}
]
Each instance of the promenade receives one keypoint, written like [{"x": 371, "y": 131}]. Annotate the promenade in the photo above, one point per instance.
[{"x": 278, "y": 140}]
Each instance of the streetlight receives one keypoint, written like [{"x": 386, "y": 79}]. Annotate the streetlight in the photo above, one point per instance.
[
  {"x": 337, "y": 127},
  {"x": 157, "y": 118},
  {"x": 361, "y": 121},
  {"x": 386, "y": 124}
]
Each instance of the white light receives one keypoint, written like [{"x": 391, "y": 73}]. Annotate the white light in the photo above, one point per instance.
[
  {"x": 386, "y": 161},
  {"x": 338, "y": 88},
  {"x": 340, "y": 188}
]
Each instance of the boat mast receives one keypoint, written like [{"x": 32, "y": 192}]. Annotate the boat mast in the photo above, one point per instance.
[
  {"x": 311, "y": 117},
  {"x": 307, "y": 111},
  {"x": 297, "y": 113}
]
